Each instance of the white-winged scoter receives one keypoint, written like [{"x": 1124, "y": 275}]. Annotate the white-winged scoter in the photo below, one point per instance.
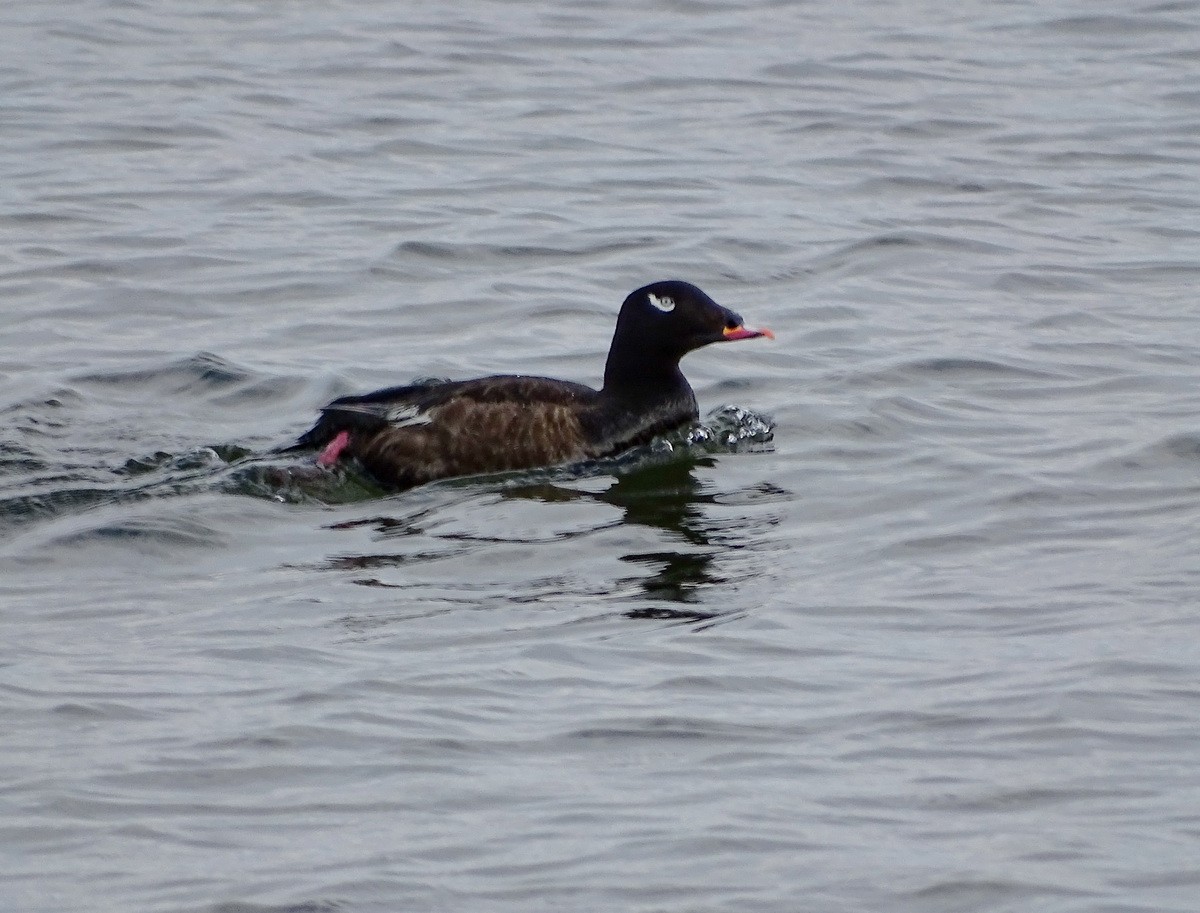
[{"x": 409, "y": 435}]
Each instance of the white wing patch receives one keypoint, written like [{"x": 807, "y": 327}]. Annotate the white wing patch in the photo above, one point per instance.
[
  {"x": 664, "y": 303},
  {"x": 407, "y": 414}
]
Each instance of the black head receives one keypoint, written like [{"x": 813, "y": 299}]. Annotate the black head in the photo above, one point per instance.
[{"x": 662, "y": 322}]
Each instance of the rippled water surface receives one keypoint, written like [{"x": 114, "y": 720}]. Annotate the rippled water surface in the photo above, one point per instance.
[{"x": 929, "y": 646}]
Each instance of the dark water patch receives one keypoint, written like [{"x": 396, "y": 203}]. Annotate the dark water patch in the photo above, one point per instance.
[
  {"x": 896, "y": 185},
  {"x": 863, "y": 255},
  {"x": 1046, "y": 280},
  {"x": 63, "y": 453},
  {"x": 102, "y": 711},
  {"x": 42, "y": 415},
  {"x": 148, "y": 534},
  {"x": 290, "y": 199},
  {"x": 48, "y": 218},
  {"x": 145, "y": 241},
  {"x": 944, "y": 544},
  {"x": 64, "y": 498},
  {"x": 475, "y": 254},
  {"x": 949, "y": 895},
  {"x": 1178, "y": 452},
  {"x": 1101, "y": 157},
  {"x": 198, "y": 373},
  {"x": 696, "y": 619},
  {"x": 676, "y": 576},
  {"x": 16, "y": 459},
  {"x": 972, "y": 367},
  {"x": 1113, "y": 26},
  {"x": 1150, "y": 272},
  {"x": 299, "y": 481},
  {"x": 617, "y": 731},
  {"x": 935, "y": 127},
  {"x": 265, "y": 288},
  {"x": 949, "y": 372},
  {"x": 117, "y": 144},
  {"x": 305, "y": 906},
  {"x": 202, "y": 458},
  {"x": 262, "y": 392},
  {"x": 1182, "y": 447},
  {"x": 389, "y": 560},
  {"x": 1072, "y": 321},
  {"x": 1102, "y": 357}
]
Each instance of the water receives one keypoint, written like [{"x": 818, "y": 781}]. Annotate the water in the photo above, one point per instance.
[{"x": 931, "y": 649}]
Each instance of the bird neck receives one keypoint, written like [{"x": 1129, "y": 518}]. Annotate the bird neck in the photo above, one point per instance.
[
  {"x": 639, "y": 368},
  {"x": 647, "y": 378},
  {"x": 634, "y": 406}
]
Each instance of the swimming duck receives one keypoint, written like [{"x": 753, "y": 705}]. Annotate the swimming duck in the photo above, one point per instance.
[{"x": 409, "y": 435}]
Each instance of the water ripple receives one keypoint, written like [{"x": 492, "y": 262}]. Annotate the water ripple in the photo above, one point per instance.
[{"x": 905, "y": 623}]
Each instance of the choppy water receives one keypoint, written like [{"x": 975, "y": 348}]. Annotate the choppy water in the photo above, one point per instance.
[{"x": 934, "y": 648}]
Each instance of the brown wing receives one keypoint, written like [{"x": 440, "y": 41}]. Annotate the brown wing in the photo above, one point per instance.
[
  {"x": 414, "y": 404},
  {"x": 465, "y": 436}
]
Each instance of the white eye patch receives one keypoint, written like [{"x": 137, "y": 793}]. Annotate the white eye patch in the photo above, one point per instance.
[{"x": 664, "y": 304}]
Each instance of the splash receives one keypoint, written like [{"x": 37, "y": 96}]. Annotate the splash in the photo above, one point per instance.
[{"x": 732, "y": 429}]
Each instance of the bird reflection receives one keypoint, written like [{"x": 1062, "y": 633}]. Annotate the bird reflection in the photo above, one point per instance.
[
  {"x": 667, "y": 496},
  {"x": 675, "y": 581}
]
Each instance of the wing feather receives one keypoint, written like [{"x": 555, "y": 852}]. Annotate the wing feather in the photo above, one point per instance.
[{"x": 491, "y": 412}]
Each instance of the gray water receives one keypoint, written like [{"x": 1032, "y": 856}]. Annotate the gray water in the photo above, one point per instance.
[{"x": 933, "y": 646}]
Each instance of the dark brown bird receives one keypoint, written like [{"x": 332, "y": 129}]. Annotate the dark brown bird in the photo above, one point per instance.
[{"x": 406, "y": 436}]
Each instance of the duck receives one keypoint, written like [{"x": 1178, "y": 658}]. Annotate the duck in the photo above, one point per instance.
[{"x": 410, "y": 435}]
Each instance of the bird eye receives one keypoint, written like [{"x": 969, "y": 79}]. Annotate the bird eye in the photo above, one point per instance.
[{"x": 663, "y": 303}]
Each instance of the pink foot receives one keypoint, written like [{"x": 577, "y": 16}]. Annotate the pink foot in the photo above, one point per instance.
[{"x": 333, "y": 450}]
